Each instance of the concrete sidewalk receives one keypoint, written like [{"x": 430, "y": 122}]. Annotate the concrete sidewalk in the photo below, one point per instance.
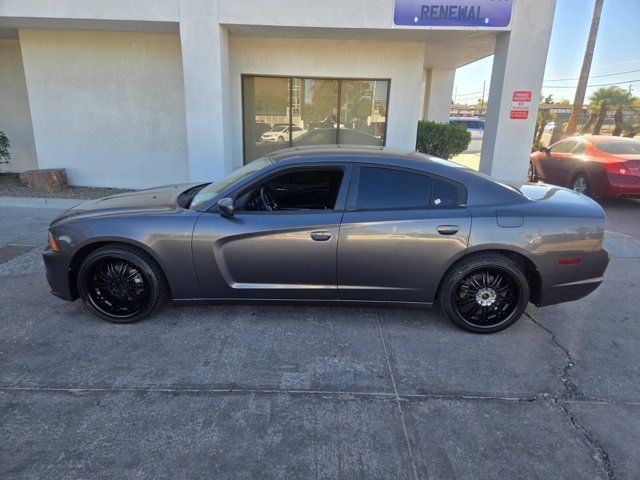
[{"x": 299, "y": 392}]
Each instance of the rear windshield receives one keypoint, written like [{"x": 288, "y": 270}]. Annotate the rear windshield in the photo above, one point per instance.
[{"x": 620, "y": 147}]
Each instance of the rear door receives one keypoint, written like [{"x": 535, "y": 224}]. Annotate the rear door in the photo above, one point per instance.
[
  {"x": 553, "y": 165},
  {"x": 399, "y": 233}
]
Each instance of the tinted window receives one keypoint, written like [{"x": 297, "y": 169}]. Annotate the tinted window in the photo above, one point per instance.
[
  {"x": 565, "y": 146},
  {"x": 382, "y": 188},
  {"x": 619, "y": 147},
  {"x": 445, "y": 194}
]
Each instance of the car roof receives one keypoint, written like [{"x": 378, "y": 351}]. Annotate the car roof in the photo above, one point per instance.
[
  {"x": 356, "y": 153},
  {"x": 601, "y": 138}
]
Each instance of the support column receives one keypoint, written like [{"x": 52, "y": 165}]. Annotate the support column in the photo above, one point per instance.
[
  {"x": 518, "y": 65},
  {"x": 205, "y": 64},
  {"x": 437, "y": 102}
]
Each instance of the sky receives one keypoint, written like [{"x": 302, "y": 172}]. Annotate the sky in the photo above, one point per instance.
[{"x": 617, "y": 50}]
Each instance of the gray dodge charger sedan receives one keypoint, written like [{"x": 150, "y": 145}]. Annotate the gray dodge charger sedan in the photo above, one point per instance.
[{"x": 346, "y": 225}]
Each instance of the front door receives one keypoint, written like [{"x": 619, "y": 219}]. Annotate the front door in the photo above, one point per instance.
[
  {"x": 399, "y": 234},
  {"x": 281, "y": 242}
]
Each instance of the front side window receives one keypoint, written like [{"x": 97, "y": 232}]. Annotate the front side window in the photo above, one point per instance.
[
  {"x": 564, "y": 146},
  {"x": 579, "y": 148},
  {"x": 308, "y": 189},
  {"x": 385, "y": 188},
  {"x": 214, "y": 189}
]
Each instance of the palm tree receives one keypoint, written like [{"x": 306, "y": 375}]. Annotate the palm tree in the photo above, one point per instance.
[
  {"x": 581, "y": 89},
  {"x": 543, "y": 117},
  {"x": 608, "y": 98}
]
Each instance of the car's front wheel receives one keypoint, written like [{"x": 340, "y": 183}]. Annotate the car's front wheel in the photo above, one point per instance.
[
  {"x": 121, "y": 284},
  {"x": 484, "y": 293}
]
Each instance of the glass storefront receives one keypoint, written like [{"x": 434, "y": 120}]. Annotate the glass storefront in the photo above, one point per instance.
[{"x": 280, "y": 112}]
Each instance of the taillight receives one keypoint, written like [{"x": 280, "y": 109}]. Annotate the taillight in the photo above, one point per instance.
[{"x": 619, "y": 168}]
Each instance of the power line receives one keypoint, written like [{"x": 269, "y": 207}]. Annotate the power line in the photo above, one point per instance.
[
  {"x": 592, "y": 76},
  {"x": 616, "y": 64},
  {"x": 469, "y": 94},
  {"x": 598, "y": 85}
]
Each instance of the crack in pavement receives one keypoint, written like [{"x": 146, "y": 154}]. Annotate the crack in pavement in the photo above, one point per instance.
[
  {"x": 571, "y": 389},
  {"x": 280, "y": 391},
  {"x": 572, "y": 394},
  {"x": 601, "y": 453}
]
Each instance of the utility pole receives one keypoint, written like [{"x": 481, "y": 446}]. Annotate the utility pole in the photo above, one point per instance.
[
  {"x": 484, "y": 84},
  {"x": 581, "y": 89}
]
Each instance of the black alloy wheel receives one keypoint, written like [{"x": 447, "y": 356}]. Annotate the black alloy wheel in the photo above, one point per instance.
[
  {"x": 121, "y": 284},
  {"x": 485, "y": 294}
]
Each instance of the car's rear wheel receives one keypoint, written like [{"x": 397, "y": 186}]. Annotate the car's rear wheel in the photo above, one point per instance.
[
  {"x": 121, "y": 284},
  {"x": 581, "y": 184},
  {"x": 484, "y": 293}
]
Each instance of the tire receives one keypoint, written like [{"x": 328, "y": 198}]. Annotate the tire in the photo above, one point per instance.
[
  {"x": 581, "y": 184},
  {"x": 531, "y": 173},
  {"x": 121, "y": 284},
  {"x": 461, "y": 300},
  {"x": 280, "y": 139}
]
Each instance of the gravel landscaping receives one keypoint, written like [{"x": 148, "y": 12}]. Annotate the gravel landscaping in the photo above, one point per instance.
[{"x": 10, "y": 185}]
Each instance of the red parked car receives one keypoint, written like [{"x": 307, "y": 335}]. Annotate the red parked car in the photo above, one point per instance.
[{"x": 595, "y": 165}]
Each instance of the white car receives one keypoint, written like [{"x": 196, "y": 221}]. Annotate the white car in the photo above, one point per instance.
[{"x": 281, "y": 134}]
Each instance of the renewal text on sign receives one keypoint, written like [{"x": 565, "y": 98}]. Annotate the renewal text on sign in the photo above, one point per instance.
[
  {"x": 459, "y": 14},
  {"x": 520, "y": 104}
]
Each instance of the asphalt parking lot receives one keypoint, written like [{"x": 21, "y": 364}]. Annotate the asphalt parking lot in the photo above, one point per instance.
[{"x": 308, "y": 392}]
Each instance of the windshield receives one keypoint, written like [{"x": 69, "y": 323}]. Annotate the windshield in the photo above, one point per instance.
[
  {"x": 619, "y": 147},
  {"x": 215, "y": 188}
]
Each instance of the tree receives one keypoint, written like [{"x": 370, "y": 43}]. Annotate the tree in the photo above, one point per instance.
[
  {"x": 581, "y": 89},
  {"x": 5, "y": 156},
  {"x": 543, "y": 117},
  {"x": 608, "y": 98}
]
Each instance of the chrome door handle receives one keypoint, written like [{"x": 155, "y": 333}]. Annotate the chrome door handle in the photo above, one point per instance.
[
  {"x": 448, "y": 229},
  {"x": 321, "y": 236}
]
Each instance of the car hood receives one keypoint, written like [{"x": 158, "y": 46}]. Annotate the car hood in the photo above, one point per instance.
[{"x": 153, "y": 200}]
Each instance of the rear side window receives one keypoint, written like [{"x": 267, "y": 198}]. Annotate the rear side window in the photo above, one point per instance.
[
  {"x": 385, "y": 188},
  {"x": 445, "y": 194}
]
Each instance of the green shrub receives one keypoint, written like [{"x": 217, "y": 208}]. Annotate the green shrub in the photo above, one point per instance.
[
  {"x": 4, "y": 148},
  {"x": 442, "y": 139}
]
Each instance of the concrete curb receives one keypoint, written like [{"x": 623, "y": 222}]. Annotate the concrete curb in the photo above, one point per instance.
[{"x": 40, "y": 202}]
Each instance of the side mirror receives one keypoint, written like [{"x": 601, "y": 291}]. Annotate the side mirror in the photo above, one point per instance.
[{"x": 226, "y": 207}]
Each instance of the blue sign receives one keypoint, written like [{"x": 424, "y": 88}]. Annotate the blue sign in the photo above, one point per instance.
[{"x": 452, "y": 13}]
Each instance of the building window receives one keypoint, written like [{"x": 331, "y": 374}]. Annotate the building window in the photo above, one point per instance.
[{"x": 280, "y": 112}]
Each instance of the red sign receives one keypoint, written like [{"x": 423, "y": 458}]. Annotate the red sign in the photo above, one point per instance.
[{"x": 520, "y": 103}]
